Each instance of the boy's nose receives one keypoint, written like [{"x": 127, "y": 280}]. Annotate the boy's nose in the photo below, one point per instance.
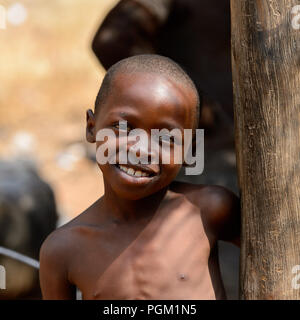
[
  {"x": 144, "y": 152},
  {"x": 141, "y": 147}
]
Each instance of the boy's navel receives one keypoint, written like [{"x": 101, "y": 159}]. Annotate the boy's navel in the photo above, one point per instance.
[{"x": 182, "y": 277}]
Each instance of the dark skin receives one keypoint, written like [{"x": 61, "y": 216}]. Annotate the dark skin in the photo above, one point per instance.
[{"x": 146, "y": 238}]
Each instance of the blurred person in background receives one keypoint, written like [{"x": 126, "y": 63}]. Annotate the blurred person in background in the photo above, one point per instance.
[{"x": 27, "y": 215}]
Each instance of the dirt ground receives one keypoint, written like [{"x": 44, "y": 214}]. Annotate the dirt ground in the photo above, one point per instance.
[{"x": 48, "y": 78}]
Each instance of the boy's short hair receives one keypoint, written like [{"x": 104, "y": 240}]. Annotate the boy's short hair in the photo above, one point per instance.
[{"x": 149, "y": 63}]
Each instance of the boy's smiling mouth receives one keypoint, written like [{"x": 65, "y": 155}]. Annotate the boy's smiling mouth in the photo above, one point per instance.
[
  {"x": 132, "y": 172},
  {"x": 136, "y": 171}
]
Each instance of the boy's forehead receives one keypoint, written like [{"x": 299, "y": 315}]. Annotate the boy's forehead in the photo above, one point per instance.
[
  {"x": 153, "y": 97},
  {"x": 152, "y": 87}
]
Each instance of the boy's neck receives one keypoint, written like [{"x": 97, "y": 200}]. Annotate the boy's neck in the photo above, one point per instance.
[{"x": 124, "y": 210}]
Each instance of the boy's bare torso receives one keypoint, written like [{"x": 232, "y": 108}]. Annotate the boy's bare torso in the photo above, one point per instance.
[{"x": 170, "y": 255}]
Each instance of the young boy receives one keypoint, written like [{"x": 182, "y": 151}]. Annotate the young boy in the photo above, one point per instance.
[{"x": 146, "y": 238}]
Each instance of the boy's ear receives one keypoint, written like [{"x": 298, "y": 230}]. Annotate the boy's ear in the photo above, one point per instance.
[{"x": 90, "y": 126}]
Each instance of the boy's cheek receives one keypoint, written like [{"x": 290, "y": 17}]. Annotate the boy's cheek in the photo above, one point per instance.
[
  {"x": 170, "y": 171},
  {"x": 102, "y": 167}
]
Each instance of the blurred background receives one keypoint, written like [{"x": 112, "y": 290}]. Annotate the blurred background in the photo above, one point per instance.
[{"x": 49, "y": 77}]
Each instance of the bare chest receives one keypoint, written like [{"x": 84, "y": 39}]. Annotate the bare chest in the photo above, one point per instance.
[{"x": 164, "y": 261}]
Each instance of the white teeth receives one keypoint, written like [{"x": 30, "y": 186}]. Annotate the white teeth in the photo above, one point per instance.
[
  {"x": 123, "y": 168},
  {"x": 132, "y": 172}
]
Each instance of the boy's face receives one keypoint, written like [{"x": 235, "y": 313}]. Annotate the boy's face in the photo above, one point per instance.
[{"x": 146, "y": 101}]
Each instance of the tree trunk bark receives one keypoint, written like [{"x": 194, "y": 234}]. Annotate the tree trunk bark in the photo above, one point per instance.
[{"x": 266, "y": 80}]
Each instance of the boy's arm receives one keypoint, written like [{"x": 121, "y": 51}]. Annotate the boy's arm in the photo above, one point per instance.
[
  {"x": 53, "y": 271},
  {"x": 223, "y": 214},
  {"x": 220, "y": 209}
]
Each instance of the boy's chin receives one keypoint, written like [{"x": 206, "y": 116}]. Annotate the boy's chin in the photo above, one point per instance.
[
  {"x": 136, "y": 192},
  {"x": 133, "y": 196}
]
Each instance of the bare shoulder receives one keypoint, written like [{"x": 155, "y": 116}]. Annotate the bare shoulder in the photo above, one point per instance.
[
  {"x": 55, "y": 249},
  {"x": 53, "y": 272},
  {"x": 58, "y": 246},
  {"x": 209, "y": 198},
  {"x": 219, "y": 207},
  {"x": 57, "y": 256}
]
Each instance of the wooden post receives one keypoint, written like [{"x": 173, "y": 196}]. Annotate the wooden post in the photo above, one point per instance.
[{"x": 266, "y": 79}]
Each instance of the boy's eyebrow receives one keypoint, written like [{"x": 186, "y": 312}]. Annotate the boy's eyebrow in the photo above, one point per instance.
[
  {"x": 161, "y": 123},
  {"x": 168, "y": 125}
]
